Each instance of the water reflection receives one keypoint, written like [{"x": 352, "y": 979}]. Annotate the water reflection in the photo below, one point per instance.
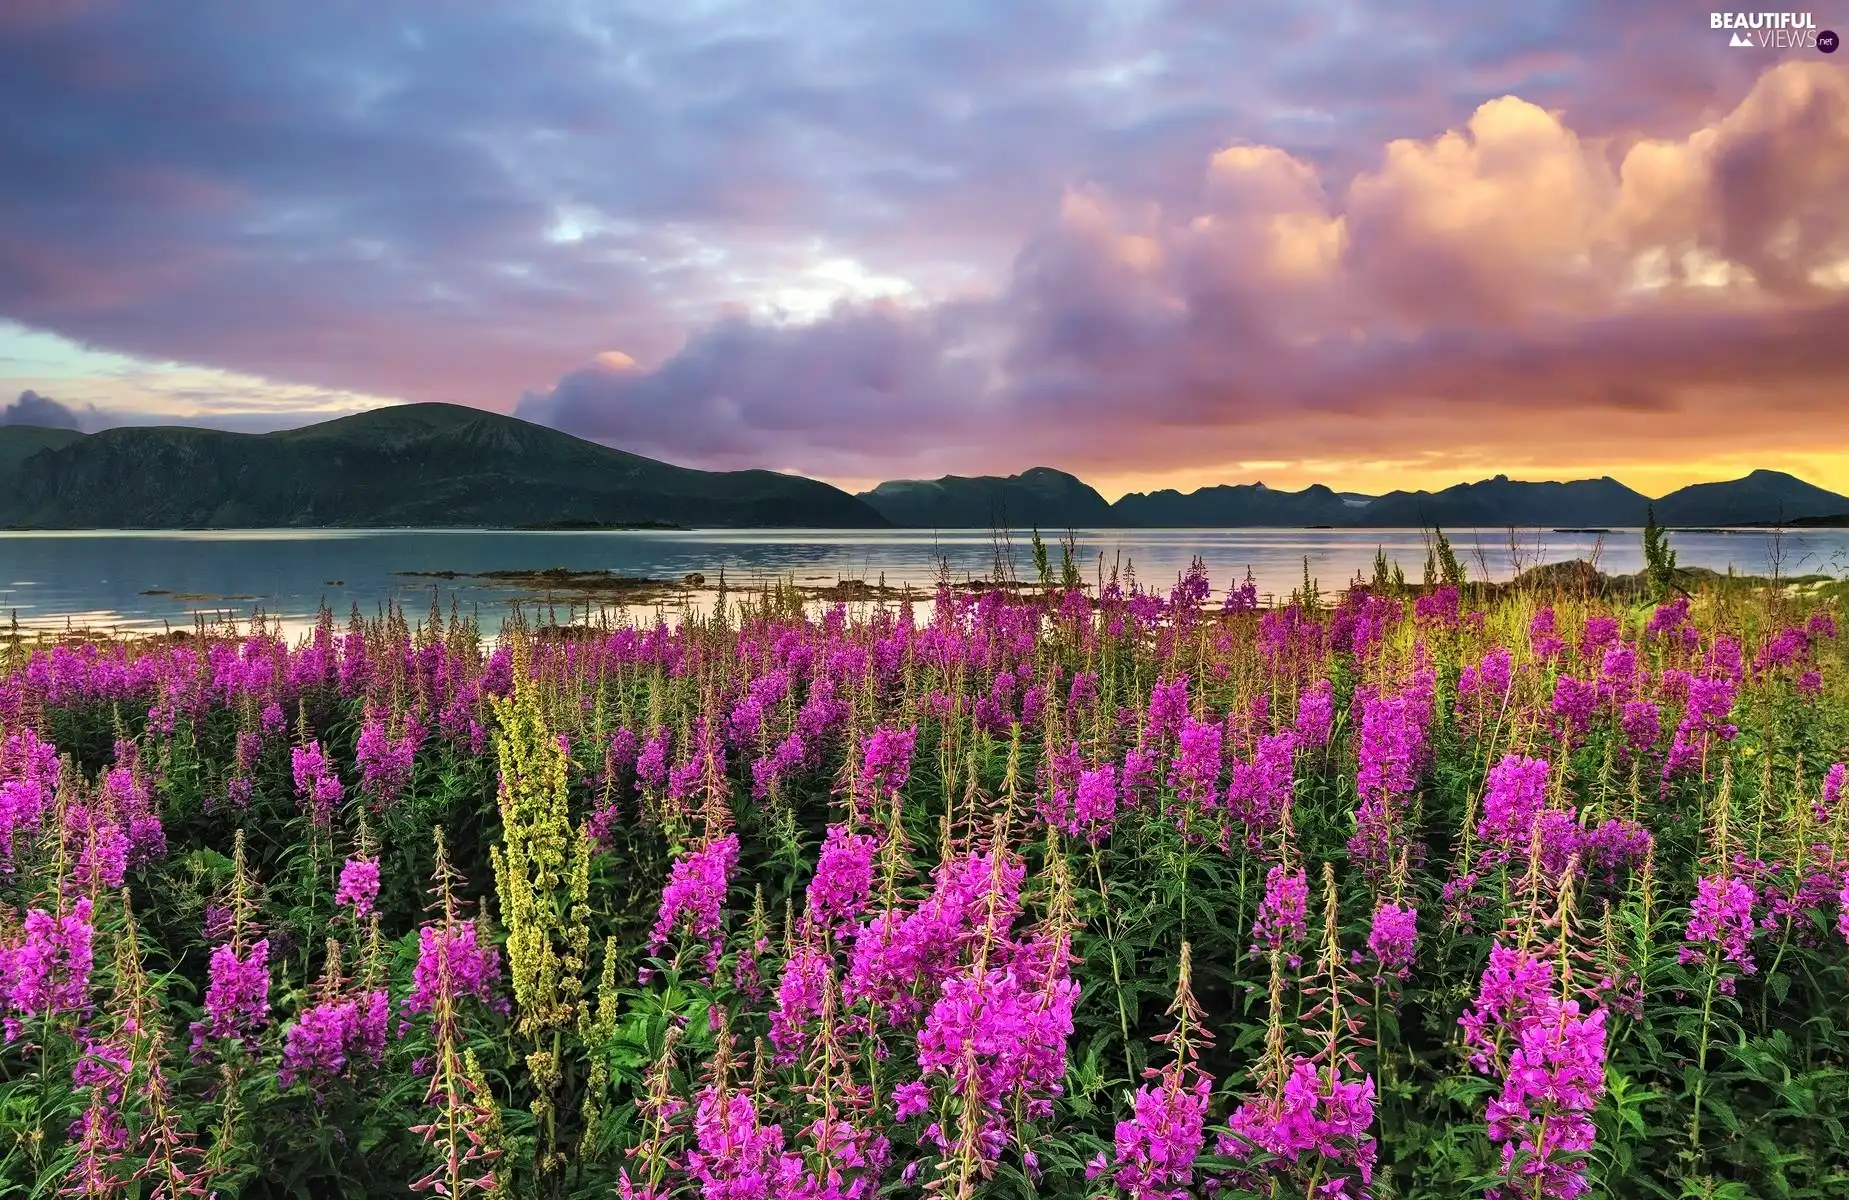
[{"x": 152, "y": 580}]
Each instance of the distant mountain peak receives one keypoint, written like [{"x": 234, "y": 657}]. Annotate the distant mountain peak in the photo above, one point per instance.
[{"x": 412, "y": 464}]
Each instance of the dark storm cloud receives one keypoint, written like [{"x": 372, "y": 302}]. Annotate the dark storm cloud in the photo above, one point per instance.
[{"x": 33, "y": 409}]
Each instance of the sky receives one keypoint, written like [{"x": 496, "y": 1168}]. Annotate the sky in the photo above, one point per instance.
[{"x": 1156, "y": 243}]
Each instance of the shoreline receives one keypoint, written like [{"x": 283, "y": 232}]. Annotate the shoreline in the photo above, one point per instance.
[{"x": 616, "y": 595}]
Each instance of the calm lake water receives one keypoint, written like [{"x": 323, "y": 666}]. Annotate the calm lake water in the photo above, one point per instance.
[{"x": 148, "y": 580}]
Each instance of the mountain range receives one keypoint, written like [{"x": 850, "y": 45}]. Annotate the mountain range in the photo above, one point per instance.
[
  {"x": 448, "y": 465},
  {"x": 1038, "y": 497}
]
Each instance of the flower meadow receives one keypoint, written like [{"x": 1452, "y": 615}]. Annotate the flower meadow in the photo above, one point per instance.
[{"x": 1154, "y": 893}]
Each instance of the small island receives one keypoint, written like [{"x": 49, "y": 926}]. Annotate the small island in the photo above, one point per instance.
[{"x": 574, "y": 526}]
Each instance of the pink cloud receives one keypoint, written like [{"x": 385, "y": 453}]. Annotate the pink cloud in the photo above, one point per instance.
[{"x": 1492, "y": 284}]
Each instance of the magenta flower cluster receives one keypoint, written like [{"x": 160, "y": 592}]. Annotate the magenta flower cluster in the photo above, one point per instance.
[
  {"x": 843, "y": 881},
  {"x": 888, "y": 762},
  {"x": 359, "y": 886},
  {"x": 695, "y": 897},
  {"x": 317, "y": 784},
  {"x": 1319, "y": 1117},
  {"x": 1721, "y": 916},
  {"x": 1156, "y": 1148},
  {"x": 1551, "y": 1058},
  {"x": 451, "y": 959},
  {"x": 1393, "y": 939},
  {"x": 46, "y": 972},
  {"x": 333, "y": 1039},
  {"x": 1283, "y": 913},
  {"x": 237, "y": 996}
]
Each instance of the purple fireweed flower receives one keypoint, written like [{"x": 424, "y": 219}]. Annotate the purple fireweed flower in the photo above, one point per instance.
[
  {"x": 1086, "y": 809},
  {"x": 359, "y": 886},
  {"x": 1560, "y": 839},
  {"x": 1283, "y": 912},
  {"x": 1393, "y": 939},
  {"x": 106, "y": 1066},
  {"x": 454, "y": 955},
  {"x": 769, "y": 770},
  {"x": 1033, "y": 705},
  {"x": 1541, "y": 636},
  {"x": 1833, "y": 781},
  {"x": 707, "y": 758},
  {"x": 1156, "y": 1148},
  {"x": 652, "y": 763},
  {"x": 1315, "y": 715},
  {"x": 843, "y": 880},
  {"x": 1842, "y": 899},
  {"x": 799, "y": 1001},
  {"x": 1437, "y": 607},
  {"x": 317, "y": 786},
  {"x": 888, "y": 760},
  {"x": 900, "y": 958},
  {"x": 102, "y": 847},
  {"x": 385, "y": 762},
  {"x": 823, "y": 712},
  {"x": 333, "y": 1039},
  {"x": 248, "y": 747},
  {"x": 736, "y": 1156},
  {"x": 1483, "y": 687},
  {"x": 1575, "y": 700},
  {"x": 128, "y": 793},
  {"x": 1543, "y": 1118},
  {"x": 1612, "y": 846},
  {"x": 910, "y": 1100},
  {"x": 1014, "y": 1030},
  {"x": 31, "y": 769},
  {"x": 1722, "y": 916},
  {"x": 1139, "y": 776},
  {"x": 1600, "y": 631},
  {"x": 1617, "y": 675},
  {"x": 1514, "y": 984},
  {"x": 237, "y": 996},
  {"x": 47, "y": 971},
  {"x": 1668, "y": 616},
  {"x": 1709, "y": 703},
  {"x": 1243, "y": 598},
  {"x": 695, "y": 896},
  {"x": 1195, "y": 771},
  {"x": 1390, "y": 753},
  {"x": 1168, "y": 708},
  {"x": 1319, "y": 1115},
  {"x": 1513, "y": 798},
  {"x": 1641, "y": 726},
  {"x": 237, "y": 999},
  {"x": 1261, "y": 789},
  {"x": 1552, "y": 1062}
]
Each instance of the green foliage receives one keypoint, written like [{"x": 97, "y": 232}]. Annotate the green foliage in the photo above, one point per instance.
[
  {"x": 1718, "y": 1082},
  {"x": 1659, "y": 558}
]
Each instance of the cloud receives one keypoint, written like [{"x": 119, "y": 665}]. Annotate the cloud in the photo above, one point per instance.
[
  {"x": 905, "y": 238},
  {"x": 34, "y": 409},
  {"x": 1504, "y": 282}
]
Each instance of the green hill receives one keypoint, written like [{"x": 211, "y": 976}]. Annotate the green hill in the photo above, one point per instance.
[
  {"x": 417, "y": 464},
  {"x": 1041, "y": 497},
  {"x": 20, "y": 442}
]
